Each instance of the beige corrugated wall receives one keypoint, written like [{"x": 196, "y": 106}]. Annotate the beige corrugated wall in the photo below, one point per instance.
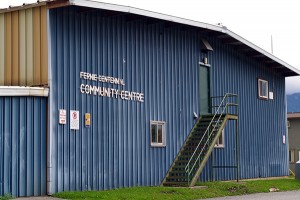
[
  {"x": 23, "y": 47},
  {"x": 2, "y": 47}
]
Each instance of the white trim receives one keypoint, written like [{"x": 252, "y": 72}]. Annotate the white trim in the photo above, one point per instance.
[
  {"x": 23, "y": 91},
  {"x": 222, "y": 136},
  {"x": 260, "y": 83},
  {"x": 50, "y": 170},
  {"x": 222, "y": 29},
  {"x": 163, "y": 143},
  {"x": 292, "y": 155}
]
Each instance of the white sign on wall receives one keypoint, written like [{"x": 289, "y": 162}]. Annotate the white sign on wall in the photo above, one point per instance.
[
  {"x": 74, "y": 119},
  {"x": 62, "y": 116},
  {"x": 108, "y": 91}
]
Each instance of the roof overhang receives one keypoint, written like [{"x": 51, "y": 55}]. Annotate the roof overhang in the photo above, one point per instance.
[
  {"x": 25, "y": 6},
  {"x": 293, "y": 115},
  {"x": 227, "y": 36}
]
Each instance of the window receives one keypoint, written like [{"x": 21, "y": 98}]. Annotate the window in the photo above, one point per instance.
[
  {"x": 263, "y": 89},
  {"x": 220, "y": 142},
  {"x": 158, "y": 134},
  {"x": 291, "y": 156},
  {"x": 288, "y": 124}
]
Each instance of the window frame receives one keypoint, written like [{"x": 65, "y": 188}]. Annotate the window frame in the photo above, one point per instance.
[
  {"x": 157, "y": 123},
  {"x": 259, "y": 82},
  {"x": 222, "y": 136},
  {"x": 291, "y": 155}
]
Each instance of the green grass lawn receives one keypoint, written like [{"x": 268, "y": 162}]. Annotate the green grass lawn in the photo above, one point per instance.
[{"x": 214, "y": 189}]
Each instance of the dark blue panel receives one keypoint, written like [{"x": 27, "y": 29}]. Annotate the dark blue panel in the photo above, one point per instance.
[
  {"x": 23, "y": 146},
  {"x": 261, "y": 122},
  {"x": 160, "y": 60}
]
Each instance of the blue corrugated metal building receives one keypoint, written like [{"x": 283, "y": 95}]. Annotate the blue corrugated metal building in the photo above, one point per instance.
[{"x": 126, "y": 87}]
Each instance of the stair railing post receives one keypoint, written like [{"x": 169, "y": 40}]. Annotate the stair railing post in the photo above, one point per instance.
[
  {"x": 237, "y": 141},
  {"x": 188, "y": 173},
  {"x": 226, "y": 103}
]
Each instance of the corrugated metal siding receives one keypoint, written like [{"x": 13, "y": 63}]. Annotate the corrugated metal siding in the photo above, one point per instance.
[
  {"x": 161, "y": 61},
  {"x": 2, "y": 48},
  {"x": 115, "y": 151},
  {"x": 24, "y": 50},
  {"x": 8, "y": 49},
  {"x": 261, "y": 123},
  {"x": 23, "y": 146}
]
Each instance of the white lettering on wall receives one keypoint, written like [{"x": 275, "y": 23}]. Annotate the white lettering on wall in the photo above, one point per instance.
[
  {"x": 100, "y": 78},
  {"x": 108, "y": 92}
]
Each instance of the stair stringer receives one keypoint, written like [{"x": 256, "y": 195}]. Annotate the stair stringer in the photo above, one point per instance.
[
  {"x": 208, "y": 153},
  {"x": 182, "y": 147}
]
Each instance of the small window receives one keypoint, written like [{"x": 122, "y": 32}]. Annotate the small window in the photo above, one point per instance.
[
  {"x": 263, "y": 89},
  {"x": 291, "y": 156},
  {"x": 158, "y": 134},
  {"x": 288, "y": 124},
  {"x": 220, "y": 142}
]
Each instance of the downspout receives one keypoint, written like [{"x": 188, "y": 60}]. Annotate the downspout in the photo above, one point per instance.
[
  {"x": 286, "y": 129},
  {"x": 50, "y": 190}
]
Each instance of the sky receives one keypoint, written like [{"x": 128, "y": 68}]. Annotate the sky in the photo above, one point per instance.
[{"x": 254, "y": 20}]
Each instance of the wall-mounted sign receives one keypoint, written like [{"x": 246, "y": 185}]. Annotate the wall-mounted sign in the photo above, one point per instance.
[
  {"x": 101, "y": 78},
  {"x": 283, "y": 139},
  {"x": 87, "y": 119},
  {"x": 108, "y": 92},
  {"x": 74, "y": 119},
  {"x": 62, "y": 116}
]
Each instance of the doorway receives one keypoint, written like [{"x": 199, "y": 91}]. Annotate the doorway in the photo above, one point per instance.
[{"x": 204, "y": 89}]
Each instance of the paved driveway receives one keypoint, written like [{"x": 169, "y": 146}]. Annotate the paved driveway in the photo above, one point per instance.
[
  {"x": 290, "y": 195},
  {"x": 38, "y": 198}
]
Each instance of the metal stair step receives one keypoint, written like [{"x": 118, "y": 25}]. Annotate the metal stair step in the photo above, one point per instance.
[
  {"x": 181, "y": 162},
  {"x": 183, "y": 179},
  {"x": 176, "y": 184},
  {"x": 177, "y": 173},
  {"x": 182, "y": 173},
  {"x": 185, "y": 157},
  {"x": 192, "y": 143},
  {"x": 178, "y": 177},
  {"x": 192, "y": 150}
]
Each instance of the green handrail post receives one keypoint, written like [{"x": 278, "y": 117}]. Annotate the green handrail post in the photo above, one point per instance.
[{"x": 237, "y": 140}]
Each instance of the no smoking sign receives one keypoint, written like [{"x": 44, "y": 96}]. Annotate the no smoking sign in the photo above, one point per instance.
[
  {"x": 74, "y": 121},
  {"x": 74, "y": 115}
]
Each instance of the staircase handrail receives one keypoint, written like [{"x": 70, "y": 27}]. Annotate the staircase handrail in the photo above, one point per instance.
[{"x": 225, "y": 97}]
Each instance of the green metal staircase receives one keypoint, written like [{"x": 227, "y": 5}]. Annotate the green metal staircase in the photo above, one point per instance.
[{"x": 200, "y": 143}]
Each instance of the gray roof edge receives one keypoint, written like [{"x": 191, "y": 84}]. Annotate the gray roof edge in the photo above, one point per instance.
[
  {"x": 262, "y": 51},
  {"x": 222, "y": 29},
  {"x": 132, "y": 10},
  {"x": 138, "y": 11}
]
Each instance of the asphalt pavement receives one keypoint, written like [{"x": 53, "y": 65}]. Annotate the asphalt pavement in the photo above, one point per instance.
[
  {"x": 290, "y": 195},
  {"x": 38, "y": 198}
]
